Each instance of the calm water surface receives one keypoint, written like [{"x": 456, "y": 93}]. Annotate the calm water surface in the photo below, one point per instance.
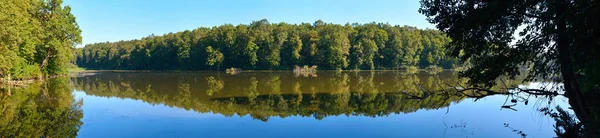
[{"x": 274, "y": 104}]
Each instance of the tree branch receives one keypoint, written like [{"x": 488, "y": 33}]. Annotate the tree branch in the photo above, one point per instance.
[{"x": 539, "y": 17}]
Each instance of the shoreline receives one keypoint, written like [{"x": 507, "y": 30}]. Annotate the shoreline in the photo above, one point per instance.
[
  {"x": 283, "y": 70},
  {"x": 17, "y": 83},
  {"x": 21, "y": 83}
]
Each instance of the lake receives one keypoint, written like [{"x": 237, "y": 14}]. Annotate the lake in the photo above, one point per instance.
[{"x": 359, "y": 104}]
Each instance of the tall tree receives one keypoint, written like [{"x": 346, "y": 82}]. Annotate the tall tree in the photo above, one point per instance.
[
  {"x": 215, "y": 57},
  {"x": 61, "y": 33},
  {"x": 555, "y": 37},
  {"x": 36, "y": 37},
  {"x": 15, "y": 30}
]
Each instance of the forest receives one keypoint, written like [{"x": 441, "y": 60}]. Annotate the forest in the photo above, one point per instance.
[
  {"x": 262, "y": 45},
  {"x": 37, "y": 38}
]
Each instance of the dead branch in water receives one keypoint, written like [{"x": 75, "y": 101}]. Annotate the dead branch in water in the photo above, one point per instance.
[
  {"x": 233, "y": 71},
  {"x": 305, "y": 71},
  {"x": 16, "y": 83},
  {"x": 489, "y": 92},
  {"x": 478, "y": 92}
]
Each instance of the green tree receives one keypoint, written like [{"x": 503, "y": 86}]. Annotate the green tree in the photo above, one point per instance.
[
  {"x": 60, "y": 34},
  {"x": 36, "y": 33},
  {"x": 215, "y": 57},
  {"x": 310, "y": 39},
  {"x": 393, "y": 51},
  {"x": 334, "y": 46},
  {"x": 264, "y": 45},
  {"x": 15, "y": 33},
  {"x": 555, "y": 37},
  {"x": 411, "y": 46},
  {"x": 292, "y": 50}
]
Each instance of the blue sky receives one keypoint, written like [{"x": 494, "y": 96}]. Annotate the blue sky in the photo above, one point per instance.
[{"x": 114, "y": 20}]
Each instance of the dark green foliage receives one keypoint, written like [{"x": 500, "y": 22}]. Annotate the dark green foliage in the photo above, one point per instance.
[
  {"x": 264, "y": 45},
  {"x": 483, "y": 33},
  {"x": 558, "y": 39},
  {"x": 566, "y": 125}
]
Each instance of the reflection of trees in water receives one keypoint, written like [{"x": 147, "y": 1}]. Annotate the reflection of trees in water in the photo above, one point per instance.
[
  {"x": 40, "y": 110},
  {"x": 566, "y": 123},
  {"x": 265, "y": 95},
  {"x": 324, "y": 105},
  {"x": 214, "y": 85}
]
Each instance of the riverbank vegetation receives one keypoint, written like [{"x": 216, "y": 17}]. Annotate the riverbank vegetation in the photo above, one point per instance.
[
  {"x": 262, "y": 45},
  {"x": 556, "y": 39},
  {"x": 37, "y": 39}
]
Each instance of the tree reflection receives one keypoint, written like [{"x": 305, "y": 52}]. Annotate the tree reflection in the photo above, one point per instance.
[
  {"x": 40, "y": 110},
  {"x": 279, "y": 94}
]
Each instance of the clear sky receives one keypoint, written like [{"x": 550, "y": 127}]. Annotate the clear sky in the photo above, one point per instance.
[{"x": 114, "y": 20}]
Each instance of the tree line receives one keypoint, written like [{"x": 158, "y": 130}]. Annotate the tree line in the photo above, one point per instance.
[
  {"x": 264, "y": 45},
  {"x": 36, "y": 37}
]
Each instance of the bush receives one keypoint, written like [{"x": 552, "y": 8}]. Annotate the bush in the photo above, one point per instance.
[
  {"x": 233, "y": 70},
  {"x": 24, "y": 70}
]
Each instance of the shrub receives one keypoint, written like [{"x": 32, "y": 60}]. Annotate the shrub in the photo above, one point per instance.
[{"x": 24, "y": 70}]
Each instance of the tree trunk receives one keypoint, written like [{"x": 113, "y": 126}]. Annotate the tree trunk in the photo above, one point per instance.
[
  {"x": 572, "y": 88},
  {"x": 45, "y": 61}
]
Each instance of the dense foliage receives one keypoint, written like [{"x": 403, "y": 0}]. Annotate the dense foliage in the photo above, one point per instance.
[
  {"x": 264, "y": 45},
  {"x": 36, "y": 37}
]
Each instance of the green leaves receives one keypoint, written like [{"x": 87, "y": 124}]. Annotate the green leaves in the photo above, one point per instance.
[
  {"x": 251, "y": 49},
  {"x": 36, "y": 33},
  {"x": 264, "y": 45},
  {"x": 483, "y": 33},
  {"x": 23, "y": 70},
  {"x": 215, "y": 57}
]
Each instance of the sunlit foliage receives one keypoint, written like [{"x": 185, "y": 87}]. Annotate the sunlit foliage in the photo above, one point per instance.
[
  {"x": 264, "y": 45},
  {"x": 36, "y": 37}
]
